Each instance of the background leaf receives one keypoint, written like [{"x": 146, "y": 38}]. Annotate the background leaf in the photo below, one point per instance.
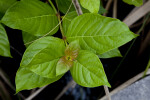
[
  {"x": 42, "y": 56},
  {"x": 4, "y": 43},
  {"x": 91, "y": 5},
  {"x": 27, "y": 37},
  {"x": 98, "y": 34},
  {"x": 63, "y": 5},
  {"x": 26, "y": 79},
  {"x": 67, "y": 20},
  {"x": 4, "y": 5},
  {"x": 102, "y": 10},
  {"x": 33, "y": 16},
  {"x": 110, "y": 54},
  {"x": 88, "y": 71},
  {"x": 134, "y": 2}
]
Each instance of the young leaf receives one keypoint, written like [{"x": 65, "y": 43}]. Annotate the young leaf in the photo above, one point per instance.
[
  {"x": 66, "y": 62},
  {"x": 88, "y": 71},
  {"x": 26, "y": 79},
  {"x": 134, "y": 2},
  {"x": 98, "y": 34},
  {"x": 33, "y": 16},
  {"x": 4, "y": 5},
  {"x": 67, "y": 20},
  {"x": 27, "y": 37},
  {"x": 4, "y": 43},
  {"x": 42, "y": 56},
  {"x": 91, "y": 5},
  {"x": 110, "y": 54}
]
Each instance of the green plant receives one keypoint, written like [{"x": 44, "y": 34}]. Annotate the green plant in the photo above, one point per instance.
[{"x": 85, "y": 39}]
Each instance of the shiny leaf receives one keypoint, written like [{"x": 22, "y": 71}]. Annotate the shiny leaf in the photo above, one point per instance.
[
  {"x": 91, "y": 5},
  {"x": 42, "y": 56},
  {"x": 32, "y": 16},
  {"x": 110, "y": 54},
  {"x": 98, "y": 34},
  {"x": 88, "y": 71},
  {"x": 134, "y": 2},
  {"x": 4, "y": 5},
  {"x": 4, "y": 43},
  {"x": 26, "y": 79},
  {"x": 67, "y": 20}
]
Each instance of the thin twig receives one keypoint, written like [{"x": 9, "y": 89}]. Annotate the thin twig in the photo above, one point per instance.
[
  {"x": 107, "y": 6},
  {"x": 35, "y": 93},
  {"x": 70, "y": 84},
  {"x": 115, "y": 9},
  {"x": 127, "y": 83},
  {"x": 107, "y": 92},
  {"x": 77, "y": 7},
  {"x": 3, "y": 76}
]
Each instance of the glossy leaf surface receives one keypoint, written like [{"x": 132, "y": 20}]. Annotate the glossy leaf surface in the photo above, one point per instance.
[
  {"x": 92, "y": 5},
  {"x": 111, "y": 54},
  {"x": 26, "y": 79},
  {"x": 4, "y": 5},
  {"x": 134, "y": 2},
  {"x": 32, "y": 16},
  {"x": 98, "y": 34},
  {"x": 88, "y": 71},
  {"x": 4, "y": 43},
  {"x": 42, "y": 56}
]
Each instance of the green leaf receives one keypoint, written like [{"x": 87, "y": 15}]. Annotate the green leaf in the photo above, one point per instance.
[
  {"x": 26, "y": 79},
  {"x": 4, "y": 43},
  {"x": 4, "y": 5},
  {"x": 110, "y": 54},
  {"x": 42, "y": 56},
  {"x": 88, "y": 71},
  {"x": 98, "y": 34},
  {"x": 91, "y": 5},
  {"x": 66, "y": 62},
  {"x": 67, "y": 20},
  {"x": 27, "y": 37},
  {"x": 32, "y": 16},
  {"x": 134, "y": 2},
  {"x": 63, "y": 5},
  {"x": 102, "y": 10}
]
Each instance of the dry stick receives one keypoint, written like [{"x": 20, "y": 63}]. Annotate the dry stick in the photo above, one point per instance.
[
  {"x": 139, "y": 13},
  {"x": 70, "y": 84},
  {"x": 77, "y": 7},
  {"x": 36, "y": 93},
  {"x": 107, "y": 6},
  {"x": 3, "y": 76},
  {"x": 115, "y": 9},
  {"x": 127, "y": 83}
]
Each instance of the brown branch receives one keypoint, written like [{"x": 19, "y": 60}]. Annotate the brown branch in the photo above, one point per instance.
[
  {"x": 108, "y": 6},
  {"x": 77, "y": 7},
  {"x": 115, "y": 9}
]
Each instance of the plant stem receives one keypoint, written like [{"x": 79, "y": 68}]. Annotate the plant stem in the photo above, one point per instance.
[
  {"x": 77, "y": 7},
  {"x": 52, "y": 6},
  {"x": 148, "y": 65},
  {"x": 107, "y": 92},
  {"x": 59, "y": 19}
]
